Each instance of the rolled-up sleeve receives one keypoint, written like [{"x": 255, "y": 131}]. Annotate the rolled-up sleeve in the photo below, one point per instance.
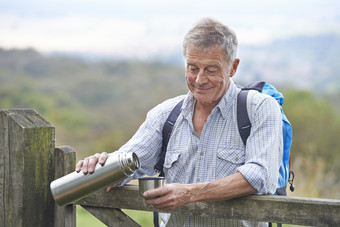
[
  {"x": 264, "y": 146},
  {"x": 146, "y": 143}
]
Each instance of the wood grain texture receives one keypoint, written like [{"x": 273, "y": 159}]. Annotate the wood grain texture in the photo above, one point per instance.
[
  {"x": 65, "y": 159},
  {"x": 27, "y": 150}
]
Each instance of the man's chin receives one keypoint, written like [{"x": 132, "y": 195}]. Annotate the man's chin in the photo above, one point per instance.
[{"x": 201, "y": 97}]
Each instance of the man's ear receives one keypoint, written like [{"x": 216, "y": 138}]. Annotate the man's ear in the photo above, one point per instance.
[{"x": 234, "y": 67}]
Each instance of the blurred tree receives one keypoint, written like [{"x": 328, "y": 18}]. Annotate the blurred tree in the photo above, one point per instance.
[{"x": 315, "y": 148}]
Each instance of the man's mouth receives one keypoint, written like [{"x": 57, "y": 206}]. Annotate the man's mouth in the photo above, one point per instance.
[{"x": 203, "y": 88}]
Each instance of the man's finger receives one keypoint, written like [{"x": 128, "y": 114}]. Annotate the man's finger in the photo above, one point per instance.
[
  {"x": 92, "y": 162},
  {"x": 112, "y": 186},
  {"x": 85, "y": 165},
  {"x": 161, "y": 203},
  {"x": 102, "y": 158},
  {"x": 157, "y": 192},
  {"x": 79, "y": 165}
]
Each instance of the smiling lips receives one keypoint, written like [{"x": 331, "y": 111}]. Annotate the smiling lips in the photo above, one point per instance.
[{"x": 202, "y": 89}]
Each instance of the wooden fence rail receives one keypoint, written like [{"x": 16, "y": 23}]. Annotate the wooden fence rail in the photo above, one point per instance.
[
  {"x": 29, "y": 161},
  {"x": 276, "y": 209}
]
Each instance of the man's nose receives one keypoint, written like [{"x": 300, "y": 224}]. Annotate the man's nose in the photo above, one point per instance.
[{"x": 201, "y": 78}]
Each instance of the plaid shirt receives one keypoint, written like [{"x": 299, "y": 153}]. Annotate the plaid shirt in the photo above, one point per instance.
[{"x": 218, "y": 152}]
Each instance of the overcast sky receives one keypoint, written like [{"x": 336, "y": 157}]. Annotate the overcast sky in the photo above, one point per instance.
[{"x": 142, "y": 27}]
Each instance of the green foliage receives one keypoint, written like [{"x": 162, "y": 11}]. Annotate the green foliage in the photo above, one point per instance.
[
  {"x": 315, "y": 156},
  {"x": 95, "y": 106}
]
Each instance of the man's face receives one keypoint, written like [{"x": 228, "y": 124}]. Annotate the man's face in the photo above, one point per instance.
[{"x": 208, "y": 73}]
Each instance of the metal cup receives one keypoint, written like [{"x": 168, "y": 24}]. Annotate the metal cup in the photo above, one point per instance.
[
  {"x": 75, "y": 186},
  {"x": 149, "y": 183}
]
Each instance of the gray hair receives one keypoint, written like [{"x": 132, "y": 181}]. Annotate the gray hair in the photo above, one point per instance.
[{"x": 207, "y": 33}]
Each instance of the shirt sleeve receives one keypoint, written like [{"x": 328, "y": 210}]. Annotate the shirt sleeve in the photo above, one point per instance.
[
  {"x": 146, "y": 143},
  {"x": 264, "y": 146}
]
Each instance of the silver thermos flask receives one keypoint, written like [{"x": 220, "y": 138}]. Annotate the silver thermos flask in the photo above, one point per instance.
[{"x": 75, "y": 186}]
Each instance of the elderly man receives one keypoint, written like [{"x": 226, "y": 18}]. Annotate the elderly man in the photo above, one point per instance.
[{"x": 206, "y": 158}]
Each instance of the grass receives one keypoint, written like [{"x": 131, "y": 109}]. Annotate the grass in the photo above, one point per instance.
[{"x": 85, "y": 219}]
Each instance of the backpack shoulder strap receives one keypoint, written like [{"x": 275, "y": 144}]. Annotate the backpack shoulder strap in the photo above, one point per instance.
[
  {"x": 243, "y": 121},
  {"x": 257, "y": 85},
  {"x": 166, "y": 132}
]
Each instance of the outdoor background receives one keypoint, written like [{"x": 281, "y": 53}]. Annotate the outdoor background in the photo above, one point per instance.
[{"x": 94, "y": 69}]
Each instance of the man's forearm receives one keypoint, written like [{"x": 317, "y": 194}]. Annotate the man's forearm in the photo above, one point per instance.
[
  {"x": 173, "y": 196},
  {"x": 230, "y": 187}
]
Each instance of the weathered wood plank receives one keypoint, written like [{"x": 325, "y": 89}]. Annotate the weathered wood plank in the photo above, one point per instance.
[
  {"x": 65, "y": 159},
  {"x": 27, "y": 150},
  {"x": 112, "y": 217},
  {"x": 276, "y": 209},
  {"x": 3, "y": 163},
  {"x": 126, "y": 197}
]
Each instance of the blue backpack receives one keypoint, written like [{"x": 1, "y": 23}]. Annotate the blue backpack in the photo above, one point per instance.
[{"x": 244, "y": 126}]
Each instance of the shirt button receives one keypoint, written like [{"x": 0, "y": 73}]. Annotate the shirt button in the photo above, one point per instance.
[
  {"x": 236, "y": 159},
  {"x": 202, "y": 153},
  {"x": 198, "y": 180}
]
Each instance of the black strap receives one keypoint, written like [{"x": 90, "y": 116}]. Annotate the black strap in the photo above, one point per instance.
[
  {"x": 167, "y": 129},
  {"x": 257, "y": 85},
  {"x": 155, "y": 219},
  {"x": 166, "y": 132},
  {"x": 243, "y": 121}
]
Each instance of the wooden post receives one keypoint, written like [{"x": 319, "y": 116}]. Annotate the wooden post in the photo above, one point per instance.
[
  {"x": 65, "y": 159},
  {"x": 26, "y": 169}
]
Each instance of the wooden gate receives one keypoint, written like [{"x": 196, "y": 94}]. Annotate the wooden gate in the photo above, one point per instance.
[{"x": 29, "y": 161}]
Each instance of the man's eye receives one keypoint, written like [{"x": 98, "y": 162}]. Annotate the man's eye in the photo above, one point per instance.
[
  {"x": 193, "y": 69},
  {"x": 211, "y": 71}
]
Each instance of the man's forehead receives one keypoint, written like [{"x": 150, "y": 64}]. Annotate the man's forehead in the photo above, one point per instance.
[{"x": 212, "y": 55}]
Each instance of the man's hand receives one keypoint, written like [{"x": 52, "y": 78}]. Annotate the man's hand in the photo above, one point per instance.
[
  {"x": 88, "y": 164},
  {"x": 169, "y": 197}
]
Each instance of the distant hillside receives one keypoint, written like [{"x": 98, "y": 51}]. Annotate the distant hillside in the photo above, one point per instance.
[
  {"x": 309, "y": 62},
  {"x": 97, "y": 106},
  {"x": 94, "y": 96},
  {"x": 305, "y": 62}
]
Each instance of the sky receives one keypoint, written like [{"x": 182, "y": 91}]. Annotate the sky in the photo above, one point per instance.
[{"x": 140, "y": 28}]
